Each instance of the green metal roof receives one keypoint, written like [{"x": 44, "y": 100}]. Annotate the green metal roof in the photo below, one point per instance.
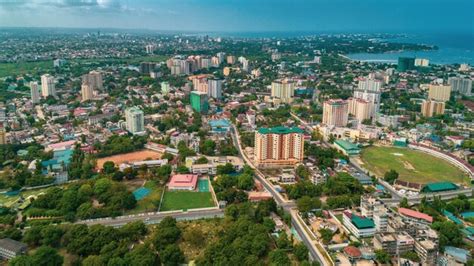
[
  {"x": 280, "y": 130},
  {"x": 362, "y": 223},
  {"x": 439, "y": 186},
  {"x": 346, "y": 145}
]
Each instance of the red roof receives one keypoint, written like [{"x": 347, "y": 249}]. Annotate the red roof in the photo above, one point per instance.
[
  {"x": 183, "y": 181},
  {"x": 352, "y": 252},
  {"x": 415, "y": 214}
]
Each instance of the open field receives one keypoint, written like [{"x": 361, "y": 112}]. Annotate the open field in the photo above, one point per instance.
[
  {"x": 129, "y": 157},
  {"x": 413, "y": 166},
  {"x": 184, "y": 200},
  {"x": 151, "y": 201},
  {"x": 8, "y": 201}
]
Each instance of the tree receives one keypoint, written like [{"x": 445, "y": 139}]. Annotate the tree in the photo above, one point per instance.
[
  {"x": 21, "y": 261},
  {"x": 326, "y": 235},
  {"x": 279, "y": 257},
  {"x": 93, "y": 260},
  {"x": 283, "y": 242},
  {"x": 300, "y": 251},
  {"x": 245, "y": 181},
  {"x": 47, "y": 256},
  {"x": 208, "y": 147},
  {"x": 404, "y": 203},
  {"x": 166, "y": 234},
  {"x": 227, "y": 168},
  {"x": 172, "y": 255},
  {"x": 109, "y": 167},
  {"x": 302, "y": 172},
  {"x": 382, "y": 256},
  {"x": 141, "y": 255},
  {"x": 390, "y": 176},
  {"x": 195, "y": 236},
  {"x": 306, "y": 204},
  {"x": 449, "y": 233}
]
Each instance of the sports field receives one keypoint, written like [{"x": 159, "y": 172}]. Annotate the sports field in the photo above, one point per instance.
[
  {"x": 184, "y": 200},
  {"x": 412, "y": 166},
  {"x": 129, "y": 157}
]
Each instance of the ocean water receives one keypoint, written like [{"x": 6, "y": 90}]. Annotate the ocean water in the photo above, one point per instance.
[{"x": 453, "y": 48}]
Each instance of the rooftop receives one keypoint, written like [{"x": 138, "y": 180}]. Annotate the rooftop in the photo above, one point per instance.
[
  {"x": 346, "y": 145},
  {"x": 12, "y": 245},
  {"x": 362, "y": 222},
  {"x": 280, "y": 130},
  {"x": 183, "y": 181},
  {"x": 440, "y": 186},
  {"x": 415, "y": 214}
]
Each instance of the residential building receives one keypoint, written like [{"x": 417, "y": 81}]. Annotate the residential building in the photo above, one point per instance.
[
  {"x": 135, "y": 120},
  {"x": 210, "y": 167},
  {"x": 359, "y": 226},
  {"x": 406, "y": 63},
  {"x": 432, "y": 107},
  {"x": 147, "y": 67},
  {"x": 440, "y": 93},
  {"x": 35, "y": 94},
  {"x": 394, "y": 243},
  {"x": 10, "y": 248},
  {"x": 214, "y": 88},
  {"x": 284, "y": 90},
  {"x": 231, "y": 59},
  {"x": 360, "y": 109},
  {"x": 199, "y": 101},
  {"x": 183, "y": 182},
  {"x": 427, "y": 251},
  {"x": 369, "y": 84},
  {"x": 47, "y": 86},
  {"x": 3, "y": 137},
  {"x": 165, "y": 87},
  {"x": 86, "y": 92},
  {"x": 279, "y": 146},
  {"x": 461, "y": 85},
  {"x": 335, "y": 112},
  {"x": 415, "y": 216},
  {"x": 422, "y": 62},
  {"x": 94, "y": 80}
]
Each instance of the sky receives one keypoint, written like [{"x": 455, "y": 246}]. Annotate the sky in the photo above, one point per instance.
[{"x": 244, "y": 15}]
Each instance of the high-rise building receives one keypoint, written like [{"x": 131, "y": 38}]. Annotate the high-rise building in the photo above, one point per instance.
[
  {"x": 370, "y": 85},
  {"x": 432, "y": 107},
  {"x": 221, "y": 57},
  {"x": 94, "y": 80},
  {"x": 150, "y": 48},
  {"x": 461, "y": 85},
  {"x": 165, "y": 87},
  {"x": 422, "y": 62},
  {"x": 135, "y": 120},
  {"x": 335, "y": 113},
  {"x": 439, "y": 92},
  {"x": 47, "y": 86},
  {"x": 406, "y": 63},
  {"x": 360, "y": 109},
  {"x": 279, "y": 146},
  {"x": 231, "y": 59},
  {"x": 199, "y": 101},
  {"x": 86, "y": 92},
  {"x": 373, "y": 98},
  {"x": 35, "y": 94},
  {"x": 284, "y": 90},
  {"x": 3, "y": 137},
  {"x": 147, "y": 67},
  {"x": 214, "y": 88}
]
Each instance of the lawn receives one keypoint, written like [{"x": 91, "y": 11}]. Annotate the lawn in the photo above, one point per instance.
[
  {"x": 184, "y": 200},
  {"x": 9, "y": 201},
  {"x": 151, "y": 201},
  {"x": 412, "y": 166},
  {"x": 20, "y": 68}
]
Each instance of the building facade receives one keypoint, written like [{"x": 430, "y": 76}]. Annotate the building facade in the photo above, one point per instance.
[
  {"x": 279, "y": 146},
  {"x": 432, "y": 107},
  {"x": 440, "y": 93},
  {"x": 283, "y": 90},
  {"x": 35, "y": 94},
  {"x": 47, "y": 86},
  {"x": 135, "y": 120},
  {"x": 335, "y": 112},
  {"x": 214, "y": 88},
  {"x": 86, "y": 92},
  {"x": 199, "y": 101},
  {"x": 461, "y": 85}
]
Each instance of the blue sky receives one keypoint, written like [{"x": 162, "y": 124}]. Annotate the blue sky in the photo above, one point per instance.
[{"x": 244, "y": 15}]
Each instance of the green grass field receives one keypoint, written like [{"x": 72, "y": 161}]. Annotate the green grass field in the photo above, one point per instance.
[
  {"x": 184, "y": 200},
  {"x": 412, "y": 166},
  {"x": 151, "y": 201},
  {"x": 9, "y": 201}
]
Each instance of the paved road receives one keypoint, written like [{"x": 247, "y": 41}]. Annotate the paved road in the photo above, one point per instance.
[
  {"x": 154, "y": 217},
  {"x": 286, "y": 204}
]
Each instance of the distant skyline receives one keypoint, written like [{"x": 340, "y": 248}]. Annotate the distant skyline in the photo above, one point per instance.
[{"x": 244, "y": 15}]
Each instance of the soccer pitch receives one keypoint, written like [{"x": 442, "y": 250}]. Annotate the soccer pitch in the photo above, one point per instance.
[
  {"x": 184, "y": 200},
  {"x": 412, "y": 166}
]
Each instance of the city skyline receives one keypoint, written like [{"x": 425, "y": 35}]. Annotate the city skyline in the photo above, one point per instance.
[{"x": 242, "y": 16}]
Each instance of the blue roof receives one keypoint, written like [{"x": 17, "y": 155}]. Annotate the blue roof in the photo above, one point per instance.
[
  {"x": 451, "y": 217},
  {"x": 467, "y": 215},
  {"x": 461, "y": 254}
]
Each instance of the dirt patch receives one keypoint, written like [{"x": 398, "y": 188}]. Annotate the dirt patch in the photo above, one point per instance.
[
  {"x": 408, "y": 166},
  {"x": 129, "y": 157}
]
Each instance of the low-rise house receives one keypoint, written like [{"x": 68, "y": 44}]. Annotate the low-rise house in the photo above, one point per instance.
[
  {"x": 183, "y": 182},
  {"x": 10, "y": 248}
]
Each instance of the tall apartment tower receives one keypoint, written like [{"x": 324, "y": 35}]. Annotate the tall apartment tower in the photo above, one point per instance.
[
  {"x": 214, "y": 88},
  {"x": 3, "y": 137},
  {"x": 461, "y": 85},
  {"x": 432, "y": 107},
  {"x": 199, "y": 101},
  {"x": 165, "y": 87},
  {"x": 94, "y": 80},
  {"x": 284, "y": 90},
  {"x": 135, "y": 120},
  {"x": 335, "y": 112},
  {"x": 35, "y": 93},
  {"x": 279, "y": 146},
  {"x": 360, "y": 109},
  {"x": 86, "y": 92},
  {"x": 47, "y": 86},
  {"x": 440, "y": 93}
]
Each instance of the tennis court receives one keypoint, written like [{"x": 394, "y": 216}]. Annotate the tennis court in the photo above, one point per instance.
[
  {"x": 141, "y": 193},
  {"x": 203, "y": 185}
]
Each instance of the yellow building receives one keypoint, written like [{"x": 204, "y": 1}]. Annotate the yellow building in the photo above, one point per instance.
[
  {"x": 283, "y": 90},
  {"x": 278, "y": 146},
  {"x": 431, "y": 107},
  {"x": 439, "y": 92}
]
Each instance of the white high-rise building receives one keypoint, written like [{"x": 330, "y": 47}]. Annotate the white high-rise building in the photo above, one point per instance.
[
  {"x": 422, "y": 62},
  {"x": 47, "y": 86},
  {"x": 135, "y": 120},
  {"x": 461, "y": 85},
  {"x": 283, "y": 90},
  {"x": 86, "y": 92},
  {"x": 94, "y": 80},
  {"x": 335, "y": 113},
  {"x": 214, "y": 88},
  {"x": 370, "y": 85},
  {"x": 35, "y": 94},
  {"x": 165, "y": 87}
]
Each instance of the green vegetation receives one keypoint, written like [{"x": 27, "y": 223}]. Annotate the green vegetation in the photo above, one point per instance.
[
  {"x": 411, "y": 165},
  {"x": 120, "y": 144},
  {"x": 229, "y": 186},
  {"x": 185, "y": 200},
  {"x": 152, "y": 201}
]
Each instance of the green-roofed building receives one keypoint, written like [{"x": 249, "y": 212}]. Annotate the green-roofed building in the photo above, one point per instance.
[
  {"x": 279, "y": 146},
  {"x": 358, "y": 225},
  {"x": 439, "y": 187},
  {"x": 280, "y": 130},
  {"x": 346, "y": 147}
]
